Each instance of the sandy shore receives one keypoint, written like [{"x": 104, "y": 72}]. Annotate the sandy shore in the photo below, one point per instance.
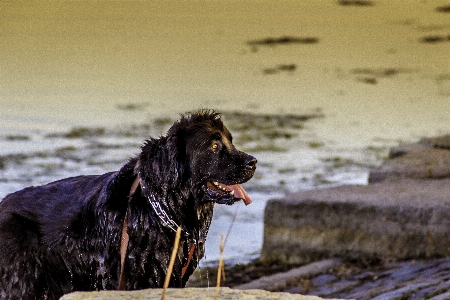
[{"x": 370, "y": 71}]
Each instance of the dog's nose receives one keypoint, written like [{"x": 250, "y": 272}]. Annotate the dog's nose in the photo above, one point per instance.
[{"x": 250, "y": 161}]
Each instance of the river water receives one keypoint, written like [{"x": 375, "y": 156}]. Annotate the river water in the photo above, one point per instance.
[
  {"x": 290, "y": 157},
  {"x": 377, "y": 74}
]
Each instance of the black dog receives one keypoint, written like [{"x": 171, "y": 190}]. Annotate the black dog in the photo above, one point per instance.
[{"x": 66, "y": 236}]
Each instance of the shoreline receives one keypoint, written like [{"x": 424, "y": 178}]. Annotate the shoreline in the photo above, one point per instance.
[
  {"x": 346, "y": 279},
  {"x": 51, "y": 155}
]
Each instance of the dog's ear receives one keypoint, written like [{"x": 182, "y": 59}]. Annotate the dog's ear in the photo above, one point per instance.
[
  {"x": 162, "y": 162},
  {"x": 176, "y": 148}
]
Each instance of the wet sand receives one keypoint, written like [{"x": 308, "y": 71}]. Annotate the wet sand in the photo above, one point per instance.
[{"x": 73, "y": 62}]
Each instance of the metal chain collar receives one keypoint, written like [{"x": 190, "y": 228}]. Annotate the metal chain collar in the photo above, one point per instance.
[{"x": 163, "y": 216}]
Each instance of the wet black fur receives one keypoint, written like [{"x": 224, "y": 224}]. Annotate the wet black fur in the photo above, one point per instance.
[{"x": 65, "y": 236}]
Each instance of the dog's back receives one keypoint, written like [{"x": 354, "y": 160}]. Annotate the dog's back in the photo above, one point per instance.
[{"x": 42, "y": 232}]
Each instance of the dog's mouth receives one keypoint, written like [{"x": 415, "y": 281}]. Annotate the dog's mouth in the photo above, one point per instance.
[{"x": 227, "y": 194}]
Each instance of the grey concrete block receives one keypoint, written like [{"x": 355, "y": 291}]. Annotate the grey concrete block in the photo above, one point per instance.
[
  {"x": 390, "y": 220},
  {"x": 187, "y": 293}
]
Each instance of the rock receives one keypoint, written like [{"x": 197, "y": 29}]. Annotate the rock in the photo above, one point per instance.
[
  {"x": 280, "y": 281},
  {"x": 428, "y": 158},
  {"x": 444, "y": 296},
  {"x": 187, "y": 293},
  {"x": 442, "y": 142},
  {"x": 399, "y": 221},
  {"x": 428, "y": 163},
  {"x": 389, "y": 220},
  {"x": 408, "y": 148},
  {"x": 413, "y": 279}
]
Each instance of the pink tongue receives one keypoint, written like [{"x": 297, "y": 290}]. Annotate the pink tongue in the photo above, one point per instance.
[{"x": 239, "y": 192}]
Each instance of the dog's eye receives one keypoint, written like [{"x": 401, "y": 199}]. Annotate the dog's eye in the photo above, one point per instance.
[{"x": 215, "y": 146}]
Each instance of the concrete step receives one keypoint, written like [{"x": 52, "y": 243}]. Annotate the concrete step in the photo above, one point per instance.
[
  {"x": 187, "y": 294},
  {"x": 389, "y": 220}
]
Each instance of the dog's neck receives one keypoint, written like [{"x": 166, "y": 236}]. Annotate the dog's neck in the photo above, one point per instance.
[{"x": 165, "y": 219}]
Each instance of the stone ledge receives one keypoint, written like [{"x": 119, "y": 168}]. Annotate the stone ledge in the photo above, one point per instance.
[
  {"x": 280, "y": 281},
  {"x": 186, "y": 293},
  {"x": 390, "y": 220},
  {"x": 427, "y": 158}
]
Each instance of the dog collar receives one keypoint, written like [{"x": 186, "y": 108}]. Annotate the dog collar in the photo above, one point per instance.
[
  {"x": 159, "y": 210},
  {"x": 164, "y": 217}
]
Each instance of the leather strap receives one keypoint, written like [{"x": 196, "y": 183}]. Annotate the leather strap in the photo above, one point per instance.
[
  {"x": 123, "y": 252},
  {"x": 191, "y": 253},
  {"x": 125, "y": 239}
]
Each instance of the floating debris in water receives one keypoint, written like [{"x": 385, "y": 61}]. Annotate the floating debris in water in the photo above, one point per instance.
[
  {"x": 443, "y": 9},
  {"x": 355, "y": 3},
  {"x": 281, "y": 68},
  {"x": 283, "y": 41}
]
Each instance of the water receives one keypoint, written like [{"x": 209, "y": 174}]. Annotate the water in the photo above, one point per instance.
[{"x": 299, "y": 162}]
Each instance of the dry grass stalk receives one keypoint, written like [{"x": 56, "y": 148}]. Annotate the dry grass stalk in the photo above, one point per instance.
[
  {"x": 220, "y": 269},
  {"x": 171, "y": 262}
]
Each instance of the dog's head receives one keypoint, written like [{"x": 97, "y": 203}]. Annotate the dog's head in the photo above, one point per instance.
[{"x": 215, "y": 167}]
